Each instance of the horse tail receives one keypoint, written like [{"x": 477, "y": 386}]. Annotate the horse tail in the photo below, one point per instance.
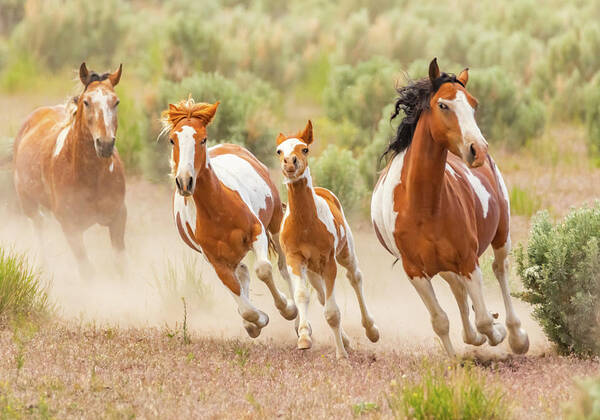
[{"x": 272, "y": 248}]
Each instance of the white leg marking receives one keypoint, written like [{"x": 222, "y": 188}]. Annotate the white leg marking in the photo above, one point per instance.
[
  {"x": 302, "y": 298},
  {"x": 254, "y": 319},
  {"x": 517, "y": 338},
  {"x": 439, "y": 319},
  {"x": 484, "y": 321},
  {"x": 333, "y": 317}
]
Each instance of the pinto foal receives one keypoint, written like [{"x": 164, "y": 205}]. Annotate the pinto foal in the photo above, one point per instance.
[
  {"x": 65, "y": 160},
  {"x": 314, "y": 236},
  {"x": 225, "y": 205},
  {"x": 438, "y": 212}
]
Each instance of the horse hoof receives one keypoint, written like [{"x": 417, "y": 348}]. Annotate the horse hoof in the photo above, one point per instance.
[
  {"x": 519, "y": 341},
  {"x": 477, "y": 340},
  {"x": 341, "y": 354},
  {"x": 498, "y": 335},
  {"x": 346, "y": 341},
  {"x": 252, "y": 330},
  {"x": 373, "y": 333},
  {"x": 304, "y": 342}
]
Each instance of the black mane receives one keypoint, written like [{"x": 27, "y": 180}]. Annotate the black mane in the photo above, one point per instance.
[
  {"x": 95, "y": 77},
  {"x": 412, "y": 100}
]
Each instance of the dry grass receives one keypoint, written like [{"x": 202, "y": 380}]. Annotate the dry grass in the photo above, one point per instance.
[{"x": 74, "y": 371}]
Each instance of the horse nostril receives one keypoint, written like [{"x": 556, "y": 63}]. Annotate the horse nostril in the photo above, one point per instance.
[
  {"x": 177, "y": 183},
  {"x": 98, "y": 142},
  {"x": 190, "y": 184},
  {"x": 294, "y": 159},
  {"x": 472, "y": 149},
  {"x": 114, "y": 139}
]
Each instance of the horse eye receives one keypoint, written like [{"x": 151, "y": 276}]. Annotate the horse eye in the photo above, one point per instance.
[
  {"x": 443, "y": 106},
  {"x": 172, "y": 142},
  {"x": 305, "y": 150},
  {"x": 204, "y": 140},
  {"x": 117, "y": 103},
  {"x": 86, "y": 103},
  {"x": 279, "y": 152}
]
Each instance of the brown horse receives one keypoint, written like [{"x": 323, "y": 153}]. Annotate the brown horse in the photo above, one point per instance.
[
  {"x": 225, "y": 205},
  {"x": 315, "y": 236},
  {"x": 65, "y": 160},
  {"x": 438, "y": 212}
]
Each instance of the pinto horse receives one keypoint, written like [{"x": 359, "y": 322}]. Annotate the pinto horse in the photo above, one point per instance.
[
  {"x": 315, "y": 235},
  {"x": 437, "y": 212},
  {"x": 225, "y": 205},
  {"x": 65, "y": 160}
]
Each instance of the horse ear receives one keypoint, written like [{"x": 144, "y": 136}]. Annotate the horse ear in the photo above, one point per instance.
[
  {"x": 463, "y": 77},
  {"x": 307, "y": 133},
  {"x": 434, "y": 70},
  {"x": 83, "y": 73},
  {"x": 116, "y": 76},
  {"x": 211, "y": 111},
  {"x": 281, "y": 138}
]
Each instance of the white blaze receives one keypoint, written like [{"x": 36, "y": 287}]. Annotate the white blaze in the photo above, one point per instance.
[
  {"x": 187, "y": 149},
  {"x": 465, "y": 114},
  {"x": 288, "y": 146}
]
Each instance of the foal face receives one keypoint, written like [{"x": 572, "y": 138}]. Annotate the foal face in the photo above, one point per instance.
[
  {"x": 293, "y": 153},
  {"x": 99, "y": 111},
  {"x": 453, "y": 120},
  {"x": 189, "y": 153}
]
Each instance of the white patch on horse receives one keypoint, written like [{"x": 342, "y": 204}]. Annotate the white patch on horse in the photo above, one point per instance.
[
  {"x": 60, "y": 140},
  {"x": 185, "y": 207},
  {"x": 502, "y": 184},
  {"x": 112, "y": 166},
  {"x": 100, "y": 100},
  {"x": 451, "y": 170},
  {"x": 237, "y": 174},
  {"x": 480, "y": 191},
  {"x": 187, "y": 148},
  {"x": 323, "y": 211},
  {"x": 288, "y": 146},
  {"x": 465, "y": 114},
  {"x": 383, "y": 214}
]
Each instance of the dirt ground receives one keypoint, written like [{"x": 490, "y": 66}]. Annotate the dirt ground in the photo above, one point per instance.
[{"x": 115, "y": 349}]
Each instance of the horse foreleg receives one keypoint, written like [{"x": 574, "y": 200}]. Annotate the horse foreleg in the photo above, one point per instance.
[
  {"x": 75, "y": 239},
  {"x": 439, "y": 319},
  {"x": 485, "y": 323},
  {"x": 116, "y": 230},
  {"x": 332, "y": 311},
  {"x": 470, "y": 335},
  {"x": 517, "y": 338},
  {"x": 282, "y": 264},
  {"x": 302, "y": 299},
  {"x": 238, "y": 284},
  {"x": 264, "y": 271}
]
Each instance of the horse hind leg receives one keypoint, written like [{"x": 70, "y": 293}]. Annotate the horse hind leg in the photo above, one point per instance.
[
  {"x": 517, "y": 337},
  {"x": 439, "y": 319},
  {"x": 470, "y": 334},
  {"x": 75, "y": 240},
  {"x": 264, "y": 271},
  {"x": 355, "y": 277}
]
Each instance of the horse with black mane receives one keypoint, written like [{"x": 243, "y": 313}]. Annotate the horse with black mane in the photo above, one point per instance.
[{"x": 437, "y": 212}]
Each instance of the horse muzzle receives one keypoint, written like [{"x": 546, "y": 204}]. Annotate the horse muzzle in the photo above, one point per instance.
[
  {"x": 185, "y": 183},
  {"x": 104, "y": 149},
  {"x": 475, "y": 154}
]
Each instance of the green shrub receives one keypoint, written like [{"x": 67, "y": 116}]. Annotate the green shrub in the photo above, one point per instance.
[
  {"x": 23, "y": 294},
  {"x": 18, "y": 72},
  {"x": 586, "y": 404},
  {"x": 358, "y": 94},
  {"x": 338, "y": 171},
  {"x": 560, "y": 270},
  {"x": 592, "y": 114},
  {"x": 369, "y": 162},
  {"x": 450, "y": 392},
  {"x": 63, "y": 33},
  {"x": 131, "y": 133}
]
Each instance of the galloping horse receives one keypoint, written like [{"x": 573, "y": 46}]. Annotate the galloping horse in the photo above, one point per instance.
[
  {"x": 225, "y": 205},
  {"x": 314, "y": 236},
  {"x": 438, "y": 212},
  {"x": 65, "y": 160}
]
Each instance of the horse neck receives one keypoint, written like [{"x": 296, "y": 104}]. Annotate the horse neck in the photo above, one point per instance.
[
  {"x": 301, "y": 196},
  {"x": 209, "y": 195},
  {"x": 425, "y": 165}
]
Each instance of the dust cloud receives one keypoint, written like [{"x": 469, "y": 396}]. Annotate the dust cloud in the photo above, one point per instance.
[{"x": 135, "y": 299}]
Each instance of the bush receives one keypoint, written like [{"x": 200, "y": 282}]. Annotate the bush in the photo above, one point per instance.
[
  {"x": 358, "y": 94},
  {"x": 369, "y": 161},
  {"x": 592, "y": 114},
  {"x": 22, "y": 291},
  {"x": 338, "y": 171},
  {"x": 447, "y": 393},
  {"x": 586, "y": 404},
  {"x": 560, "y": 269},
  {"x": 131, "y": 133},
  {"x": 66, "y": 32}
]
